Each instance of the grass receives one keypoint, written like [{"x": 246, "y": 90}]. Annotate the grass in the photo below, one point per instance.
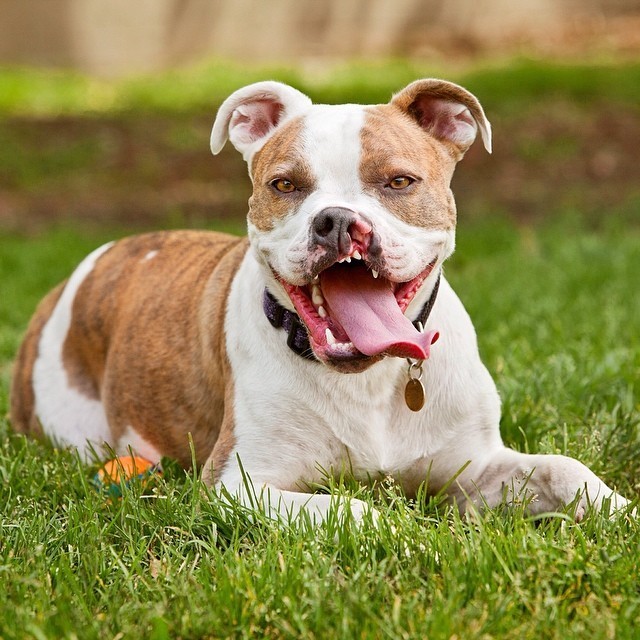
[
  {"x": 504, "y": 87},
  {"x": 556, "y": 311}
]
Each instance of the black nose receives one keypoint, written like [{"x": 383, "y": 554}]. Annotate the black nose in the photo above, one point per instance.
[{"x": 330, "y": 229}]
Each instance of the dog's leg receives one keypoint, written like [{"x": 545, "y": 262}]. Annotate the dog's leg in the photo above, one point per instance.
[
  {"x": 247, "y": 476},
  {"x": 282, "y": 505},
  {"x": 544, "y": 482},
  {"x": 285, "y": 506}
]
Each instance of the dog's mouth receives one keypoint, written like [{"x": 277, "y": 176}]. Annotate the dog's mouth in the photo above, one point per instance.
[{"x": 353, "y": 312}]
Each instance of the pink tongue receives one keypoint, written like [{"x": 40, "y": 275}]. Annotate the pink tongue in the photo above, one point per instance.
[{"x": 367, "y": 310}]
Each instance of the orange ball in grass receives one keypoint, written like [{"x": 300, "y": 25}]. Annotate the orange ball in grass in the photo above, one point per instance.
[{"x": 121, "y": 470}]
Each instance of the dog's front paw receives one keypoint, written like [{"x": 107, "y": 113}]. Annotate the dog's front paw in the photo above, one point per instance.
[
  {"x": 548, "y": 483},
  {"x": 612, "y": 506},
  {"x": 572, "y": 483}
]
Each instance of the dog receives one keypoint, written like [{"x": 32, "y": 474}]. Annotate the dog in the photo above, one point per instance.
[{"x": 328, "y": 342}]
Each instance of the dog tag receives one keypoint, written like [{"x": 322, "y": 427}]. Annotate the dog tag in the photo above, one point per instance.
[
  {"x": 414, "y": 394},
  {"x": 414, "y": 391}
]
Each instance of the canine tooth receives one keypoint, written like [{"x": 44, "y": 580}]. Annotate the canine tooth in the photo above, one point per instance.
[
  {"x": 356, "y": 255},
  {"x": 331, "y": 339},
  {"x": 374, "y": 273},
  {"x": 321, "y": 312}
]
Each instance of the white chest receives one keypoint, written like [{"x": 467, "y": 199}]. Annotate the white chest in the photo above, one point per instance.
[
  {"x": 367, "y": 414},
  {"x": 297, "y": 420}
]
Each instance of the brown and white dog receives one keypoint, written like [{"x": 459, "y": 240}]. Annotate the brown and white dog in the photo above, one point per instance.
[{"x": 284, "y": 356}]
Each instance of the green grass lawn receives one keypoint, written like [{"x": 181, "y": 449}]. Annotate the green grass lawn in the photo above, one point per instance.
[
  {"x": 557, "y": 312},
  {"x": 555, "y": 303}
]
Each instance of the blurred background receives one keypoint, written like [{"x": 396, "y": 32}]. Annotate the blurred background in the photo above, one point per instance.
[
  {"x": 120, "y": 37},
  {"x": 106, "y": 106}
]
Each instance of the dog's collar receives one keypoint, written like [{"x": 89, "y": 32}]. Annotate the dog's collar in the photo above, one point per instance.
[
  {"x": 297, "y": 336},
  {"x": 279, "y": 317}
]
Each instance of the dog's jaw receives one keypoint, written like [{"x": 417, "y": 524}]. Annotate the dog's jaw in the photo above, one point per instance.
[{"x": 333, "y": 343}]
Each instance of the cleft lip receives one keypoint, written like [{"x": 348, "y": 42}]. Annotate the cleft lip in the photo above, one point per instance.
[{"x": 362, "y": 243}]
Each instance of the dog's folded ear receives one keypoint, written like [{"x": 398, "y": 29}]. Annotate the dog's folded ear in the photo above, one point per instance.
[
  {"x": 249, "y": 116},
  {"x": 447, "y": 111}
]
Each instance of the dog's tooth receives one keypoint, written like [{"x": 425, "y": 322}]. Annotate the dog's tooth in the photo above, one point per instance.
[
  {"x": 356, "y": 255},
  {"x": 331, "y": 339},
  {"x": 321, "y": 312},
  {"x": 316, "y": 279},
  {"x": 374, "y": 273},
  {"x": 316, "y": 295},
  {"x": 347, "y": 259}
]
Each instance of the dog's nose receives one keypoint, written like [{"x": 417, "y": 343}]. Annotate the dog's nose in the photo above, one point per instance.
[{"x": 330, "y": 229}]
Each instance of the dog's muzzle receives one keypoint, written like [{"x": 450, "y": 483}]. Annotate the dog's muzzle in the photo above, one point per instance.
[{"x": 336, "y": 232}]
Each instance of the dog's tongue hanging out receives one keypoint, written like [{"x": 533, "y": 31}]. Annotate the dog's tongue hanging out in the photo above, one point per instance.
[{"x": 367, "y": 310}]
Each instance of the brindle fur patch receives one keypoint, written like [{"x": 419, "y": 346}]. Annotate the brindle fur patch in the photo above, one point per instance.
[
  {"x": 226, "y": 440},
  {"x": 393, "y": 144},
  {"x": 166, "y": 378},
  {"x": 147, "y": 339},
  {"x": 408, "y": 101},
  {"x": 281, "y": 157}
]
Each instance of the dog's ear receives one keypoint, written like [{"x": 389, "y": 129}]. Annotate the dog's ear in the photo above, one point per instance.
[
  {"x": 447, "y": 111},
  {"x": 249, "y": 116}
]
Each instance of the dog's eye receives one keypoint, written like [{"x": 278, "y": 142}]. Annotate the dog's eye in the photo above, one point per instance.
[
  {"x": 283, "y": 185},
  {"x": 400, "y": 182}
]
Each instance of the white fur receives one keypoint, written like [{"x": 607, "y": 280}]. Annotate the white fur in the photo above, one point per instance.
[
  {"x": 150, "y": 255},
  {"x": 132, "y": 440},
  {"x": 67, "y": 416},
  {"x": 314, "y": 420}
]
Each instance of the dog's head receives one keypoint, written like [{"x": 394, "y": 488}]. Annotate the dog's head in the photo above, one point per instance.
[{"x": 352, "y": 213}]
